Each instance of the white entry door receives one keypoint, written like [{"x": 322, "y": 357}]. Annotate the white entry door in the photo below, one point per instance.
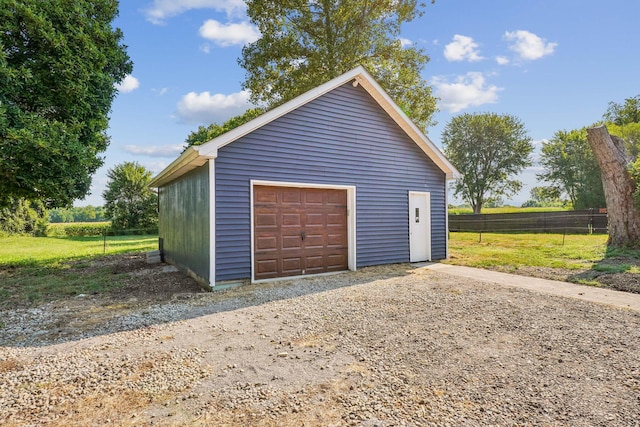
[{"x": 419, "y": 226}]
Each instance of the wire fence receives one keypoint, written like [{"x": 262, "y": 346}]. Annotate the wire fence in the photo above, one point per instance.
[{"x": 589, "y": 221}]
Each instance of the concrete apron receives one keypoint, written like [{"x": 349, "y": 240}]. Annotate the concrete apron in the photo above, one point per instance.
[{"x": 588, "y": 293}]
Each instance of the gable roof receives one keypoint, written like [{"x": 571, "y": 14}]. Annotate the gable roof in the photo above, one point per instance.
[{"x": 195, "y": 156}]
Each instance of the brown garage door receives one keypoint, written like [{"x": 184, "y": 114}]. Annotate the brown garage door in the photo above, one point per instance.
[{"x": 299, "y": 231}]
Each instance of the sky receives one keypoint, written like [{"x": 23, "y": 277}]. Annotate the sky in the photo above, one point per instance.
[{"x": 554, "y": 64}]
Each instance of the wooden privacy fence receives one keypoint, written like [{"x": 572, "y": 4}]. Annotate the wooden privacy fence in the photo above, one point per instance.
[{"x": 578, "y": 222}]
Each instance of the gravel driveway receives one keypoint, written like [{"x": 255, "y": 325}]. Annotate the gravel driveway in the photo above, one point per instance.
[{"x": 383, "y": 346}]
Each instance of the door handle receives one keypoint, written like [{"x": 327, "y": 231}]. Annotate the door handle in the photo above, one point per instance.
[{"x": 303, "y": 234}]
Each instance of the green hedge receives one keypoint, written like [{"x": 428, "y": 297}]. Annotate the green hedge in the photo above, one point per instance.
[{"x": 94, "y": 229}]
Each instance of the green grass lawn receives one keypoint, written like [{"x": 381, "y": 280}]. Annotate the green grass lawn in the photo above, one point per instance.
[
  {"x": 40, "y": 269},
  {"x": 23, "y": 250},
  {"x": 511, "y": 250}
]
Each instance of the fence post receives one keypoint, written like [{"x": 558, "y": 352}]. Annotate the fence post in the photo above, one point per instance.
[{"x": 104, "y": 241}]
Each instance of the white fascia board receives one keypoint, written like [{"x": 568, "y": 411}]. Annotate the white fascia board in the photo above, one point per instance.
[{"x": 188, "y": 160}]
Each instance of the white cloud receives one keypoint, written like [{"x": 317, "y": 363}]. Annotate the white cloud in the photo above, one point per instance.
[
  {"x": 155, "y": 166},
  {"x": 155, "y": 151},
  {"x": 470, "y": 90},
  {"x": 502, "y": 60},
  {"x": 462, "y": 48},
  {"x": 161, "y": 10},
  {"x": 405, "y": 42},
  {"x": 206, "y": 108},
  {"x": 529, "y": 46},
  {"x": 229, "y": 34},
  {"x": 129, "y": 84}
]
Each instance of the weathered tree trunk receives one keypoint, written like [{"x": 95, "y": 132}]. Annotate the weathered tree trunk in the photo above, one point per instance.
[{"x": 624, "y": 216}]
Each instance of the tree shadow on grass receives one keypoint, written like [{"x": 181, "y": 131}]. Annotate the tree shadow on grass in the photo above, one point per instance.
[{"x": 618, "y": 270}]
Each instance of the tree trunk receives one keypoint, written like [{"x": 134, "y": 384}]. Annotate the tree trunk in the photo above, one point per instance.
[{"x": 624, "y": 216}]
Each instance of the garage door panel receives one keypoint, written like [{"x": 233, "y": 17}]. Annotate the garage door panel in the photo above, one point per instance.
[
  {"x": 336, "y": 262},
  {"x": 268, "y": 242},
  {"x": 336, "y": 240},
  {"x": 267, "y": 268},
  {"x": 292, "y": 242},
  {"x": 290, "y": 196},
  {"x": 265, "y": 196},
  {"x": 336, "y": 219},
  {"x": 291, "y": 220},
  {"x": 338, "y": 198},
  {"x": 292, "y": 265},
  {"x": 314, "y": 219},
  {"x": 299, "y": 231},
  {"x": 314, "y": 197},
  {"x": 265, "y": 220}
]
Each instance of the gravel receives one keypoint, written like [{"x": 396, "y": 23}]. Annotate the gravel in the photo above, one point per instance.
[{"x": 384, "y": 346}]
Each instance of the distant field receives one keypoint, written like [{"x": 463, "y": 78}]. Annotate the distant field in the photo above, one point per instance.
[
  {"x": 504, "y": 209},
  {"x": 23, "y": 250}
]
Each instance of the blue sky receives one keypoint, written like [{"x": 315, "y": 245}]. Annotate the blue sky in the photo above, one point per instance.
[{"x": 555, "y": 64}]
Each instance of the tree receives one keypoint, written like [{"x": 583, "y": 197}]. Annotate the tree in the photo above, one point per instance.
[
  {"x": 304, "y": 44},
  {"x": 542, "y": 197},
  {"x": 623, "y": 114},
  {"x": 205, "y": 134},
  {"x": 619, "y": 187},
  {"x": 623, "y": 120},
  {"x": 22, "y": 216},
  {"x": 59, "y": 61},
  {"x": 488, "y": 149},
  {"x": 130, "y": 203},
  {"x": 59, "y": 215},
  {"x": 571, "y": 169}
]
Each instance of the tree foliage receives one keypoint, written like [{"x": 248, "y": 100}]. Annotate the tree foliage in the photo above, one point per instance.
[
  {"x": 21, "y": 216},
  {"x": 488, "y": 149},
  {"x": 205, "y": 134},
  {"x": 77, "y": 214},
  {"x": 571, "y": 169},
  {"x": 544, "y": 197},
  {"x": 59, "y": 61},
  {"x": 130, "y": 203},
  {"x": 623, "y": 120},
  {"x": 304, "y": 44},
  {"x": 625, "y": 113}
]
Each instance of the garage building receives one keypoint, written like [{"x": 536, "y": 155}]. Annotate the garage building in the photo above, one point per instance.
[{"x": 335, "y": 179}]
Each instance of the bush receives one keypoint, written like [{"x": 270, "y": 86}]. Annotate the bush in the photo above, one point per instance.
[
  {"x": 78, "y": 229},
  {"x": 21, "y": 216},
  {"x": 89, "y": 229}
]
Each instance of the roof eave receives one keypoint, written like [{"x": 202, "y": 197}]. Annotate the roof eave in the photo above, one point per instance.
[{"x": 187, "y": 161}]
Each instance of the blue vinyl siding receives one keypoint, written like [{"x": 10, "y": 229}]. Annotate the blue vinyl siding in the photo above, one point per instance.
[
  {"x": 184, "y": 221},
  {"x": 343, "y": 138}
]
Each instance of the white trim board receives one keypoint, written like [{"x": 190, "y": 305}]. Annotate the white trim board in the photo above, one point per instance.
[
  {"x": 351, "y": 218},
  {"x": 212, "y": 223}
]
